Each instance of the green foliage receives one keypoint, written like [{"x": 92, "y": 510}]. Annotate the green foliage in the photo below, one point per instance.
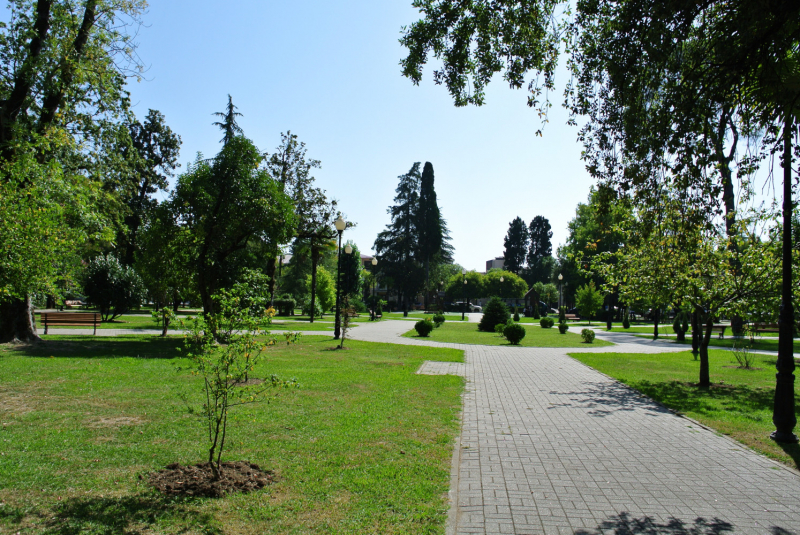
[
  {"x": 516, "y": 314},
  {"x": 589, "y": 300},
  {"x": 325, "y": 291},
  {"x": 455, "y": 288},
  {"x": 562, "y": 314},
  {"x": 513, "y": 286},
  {"x": 549, "y": 293},
  {"x": 499, "y": 328},
  {"x": 225, "y": 367},
  {"x": 306, "y": 308},
  {"x": 352, "y": 271},
  {"x": 358, "y": 305},
  {"x": 495, "y": 312},
  {"x": 516, "y": 245},
  {"x": 111, "y": 287},
  {"x": 438, "y": 320},
  {"x": 563, "y": 328},
  {"x": 424, "y": 327},
  {"x": 163, "y": 317},
  {"x": 514, "y": 333},
  {"x": 587, "y": 335},
  {"x": 546, "y": 322},
  {"x": 626, "y": 318},
  {"x": 253, "y": 291},
  {"x": 285, "y": 305}
]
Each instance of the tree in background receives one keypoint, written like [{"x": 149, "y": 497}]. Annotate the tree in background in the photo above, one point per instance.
[
  {"x": 588, "y": 299},
  {"x": 322, "y": 292},
  {"x": 352, "y": 271},
  {"x": 152, "y": 154},
  {"x": 516, "y": 245},
  {"x": 540, "y": 251},
  {"x": 64, "y": 67},
  {"x": 396, "y": 246},
  {"x": 433, "y": 237},
  {"x": 513, "y": 286},
  {"x": 111, "y": 287},
  {"x": 228, "y": 122},
  {"x": 224, "y": 204}
]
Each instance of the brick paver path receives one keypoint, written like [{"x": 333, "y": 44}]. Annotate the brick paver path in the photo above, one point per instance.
[{"x": 549, "y": 445}]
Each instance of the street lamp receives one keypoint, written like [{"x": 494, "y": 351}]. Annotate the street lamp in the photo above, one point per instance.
[
  {"x": 374, "y": 297},
  {"x": 464, "y": 295},
  {"x": 340, "y": 225},
  {"x": 560, "y": 292}
]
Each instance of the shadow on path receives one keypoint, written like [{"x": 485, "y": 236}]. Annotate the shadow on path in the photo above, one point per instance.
[
  {"x": 603, "y": 398},
  {"x": 625, "y": 524}
]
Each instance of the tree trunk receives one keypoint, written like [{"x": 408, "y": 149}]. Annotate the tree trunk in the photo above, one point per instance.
[
  {"x": 705, "y": 380},
  {"x": 16, "y": 321},
  {"x": 610, "y": 316},
  {"x": 696, "y": 331},
  {"x": 314, "y": 261},
  {"x": 271, "y": 269},
  {"x": 656, "y": 318}
]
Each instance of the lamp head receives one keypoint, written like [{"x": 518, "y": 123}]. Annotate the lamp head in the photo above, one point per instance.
[
  {"x": 374, "y": 261},
  {"x": 502, "y": 278},
  {"x": 340, "y": 224},
  {"x": 348, "y": 249},
  {"x": 464, "y": 271},
  {"x": 560, "y": 276}
]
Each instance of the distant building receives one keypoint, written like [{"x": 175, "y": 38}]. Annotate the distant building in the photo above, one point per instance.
[{"x": 497, "y": 263}]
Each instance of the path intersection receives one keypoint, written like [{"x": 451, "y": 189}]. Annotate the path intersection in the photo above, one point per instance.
[{"x": 549, "y": 445}]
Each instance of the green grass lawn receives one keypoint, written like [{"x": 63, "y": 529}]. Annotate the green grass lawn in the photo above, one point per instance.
[
  {"x": 460, "y": 333},
  {"x": 135, "y": 321},
  {"x": 416, "y": 315},
  {"x": 759, "y": 343},
  {"x": 739, "y": 403},
  {"x": 364, "y": 446}
]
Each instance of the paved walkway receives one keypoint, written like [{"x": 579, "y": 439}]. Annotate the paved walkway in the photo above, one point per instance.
[{"x": 549, "y": 445}]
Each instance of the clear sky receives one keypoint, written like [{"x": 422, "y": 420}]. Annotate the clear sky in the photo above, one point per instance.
[{"x": 328, "y": 71}]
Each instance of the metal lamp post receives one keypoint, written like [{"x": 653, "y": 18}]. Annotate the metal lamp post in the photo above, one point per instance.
[
  {"x": 374, "y": 295},
  {"x": 560, "y": 292},
  {"x": 464, "y": 295},
  {"x": 340, "y": 225}
]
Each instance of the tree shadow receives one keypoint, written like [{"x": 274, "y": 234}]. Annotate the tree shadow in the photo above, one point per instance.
[
  {"x": 143, "y": 513},
  {"x": 603, "y": 398},
  {"x": 625, "y": 524},
  {"x": 90, "y": 347},
  {"x": 688, "y": 397}
]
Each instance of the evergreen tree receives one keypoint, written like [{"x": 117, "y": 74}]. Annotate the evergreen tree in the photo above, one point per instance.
[
  {"x": 516, "y": 245},
  {"x": 396, "y": 246},
  {"x": 432, "y": 233},
  {"x": 540, "y": 252},
  {"x": 228, "y": 123}
]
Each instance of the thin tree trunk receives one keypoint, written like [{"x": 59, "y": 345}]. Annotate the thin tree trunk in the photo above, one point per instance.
[
  {"x": 610, "y": 316},
  {"x": 271, "y": 269},
  {"x": 656, "y": 318},
  {"x": 696, "y": 333},
  {"x": 705, "y": 380},
  {"x": 16, "y": 321},
  {"x": 314, "y": 261}
]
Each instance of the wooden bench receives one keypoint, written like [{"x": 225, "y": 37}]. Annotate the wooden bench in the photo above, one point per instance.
[
  {"x": 720, "y": 328},
  {"x": 756, "y": 328},
  {"x": 571, "y": 317},
  {"x": 70, "y": 319}
]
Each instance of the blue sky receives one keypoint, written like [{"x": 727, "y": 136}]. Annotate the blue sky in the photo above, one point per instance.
[{"x": 328, "y": 71}]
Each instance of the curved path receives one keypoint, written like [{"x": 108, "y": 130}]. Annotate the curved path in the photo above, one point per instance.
[{"x": 549, "y": 445}]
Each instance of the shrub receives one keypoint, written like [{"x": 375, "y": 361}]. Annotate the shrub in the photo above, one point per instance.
[
  {"x": 494, "y": 312},
  {"x": 111, "y": 287},
  {"x": 424, "y": 327},
  {"x": 587, "y": 335},
  {"x": 307, "y": 308},
  {"x": 546, "y": 322},
  {"x": 536, "y": 314},
  {"x": 562, "y": 315},
  {"x": 516, "y": 316},
  {"x": 438, "y": 319},
  {"x": 285, "y": 305},
  {"x": 514, "y": 333},
  {"x": 626, "y": 319},
  {"x": 563, "y": 328},
  {"x": 358, "y": 305},
  {"x": 499, "y": 328}
]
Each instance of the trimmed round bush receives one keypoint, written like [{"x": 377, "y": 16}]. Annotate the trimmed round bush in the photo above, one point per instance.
[
  {"x": 424, "y": 327},
  {"x": 499, "y": 328},
  {"x": 438, "y": 319},
  {"x": 514, "y": 333},
  {"x": 516, "y": 317},
  {"x": 494, "y": 312},
  {"x": 587, "y": 335},
  {"x": 563, "y": 328},
  {"x": 546, "y": 322}
]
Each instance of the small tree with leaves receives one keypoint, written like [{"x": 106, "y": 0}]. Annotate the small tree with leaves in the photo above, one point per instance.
[
  {"x": 589, "y": 300},
  {"x": 225, "y": 362}
]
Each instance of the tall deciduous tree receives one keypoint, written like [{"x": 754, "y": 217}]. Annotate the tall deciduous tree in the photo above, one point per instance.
[
  {"x": 63, "y": 69},
  {"x": 516, "y": 245}
]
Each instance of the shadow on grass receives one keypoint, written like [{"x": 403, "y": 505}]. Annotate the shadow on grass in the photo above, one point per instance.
[
  {"x": 605, "y": 398},
  {"x": 145, "y": 513},
  {"x": 624, "y": 524},
  {"x": 92, "y": 347}
]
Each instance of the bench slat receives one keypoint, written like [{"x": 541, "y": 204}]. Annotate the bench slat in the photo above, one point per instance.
[{"x": 72, "y": 319}]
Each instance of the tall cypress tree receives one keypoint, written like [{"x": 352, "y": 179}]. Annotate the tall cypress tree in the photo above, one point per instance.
[
  {"x": 396, "y": 246},
  {"x": 540, "y": 250},
  {"x": 516, "y": 245},
  {"x": 228, "y": 123},
  {"x": 432, "y": 233}
]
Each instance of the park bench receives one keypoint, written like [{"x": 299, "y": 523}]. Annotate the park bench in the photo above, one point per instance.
[
  {"x": 70, "y": 319},
  {"x": 720, "y": 328},
  {"x": 756, "y": 328},
  {"x": 571, "y": 317}
]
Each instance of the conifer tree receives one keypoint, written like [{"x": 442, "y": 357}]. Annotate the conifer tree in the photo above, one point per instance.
[
  {"x": 432, "y": 233},
  {"x": 516, "y": 245}
]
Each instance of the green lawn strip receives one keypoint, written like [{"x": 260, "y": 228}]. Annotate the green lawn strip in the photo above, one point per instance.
[
  {"x": 134, "y": 322},
  {"x": 762, "y": 344},
  {"x": 364, "y": 446},
  {"x": 738, "y": 404},
  {"x": 449, "y": 316},
  {"x": 460, "y": 333}
]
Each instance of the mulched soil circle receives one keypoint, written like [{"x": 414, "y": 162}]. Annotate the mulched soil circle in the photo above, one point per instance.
[{"x": 198, "y": 480}]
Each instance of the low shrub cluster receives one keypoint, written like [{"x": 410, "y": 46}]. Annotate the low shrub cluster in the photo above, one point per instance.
[
  {"x": 587, "y": 335},
  {"x": 514, "y": 333},
  {"x": 546, "y": 322},
  {"x": 495, "y": 312},
  {"x": 285, "y": 305},
  {"x": 424, "y": 327},
  {"x": 563, "y": 328},
  {"x": 438, "y": 320}
]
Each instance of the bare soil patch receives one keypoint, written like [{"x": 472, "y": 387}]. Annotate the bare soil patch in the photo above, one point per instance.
[{"x": 198, "y": 479}]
